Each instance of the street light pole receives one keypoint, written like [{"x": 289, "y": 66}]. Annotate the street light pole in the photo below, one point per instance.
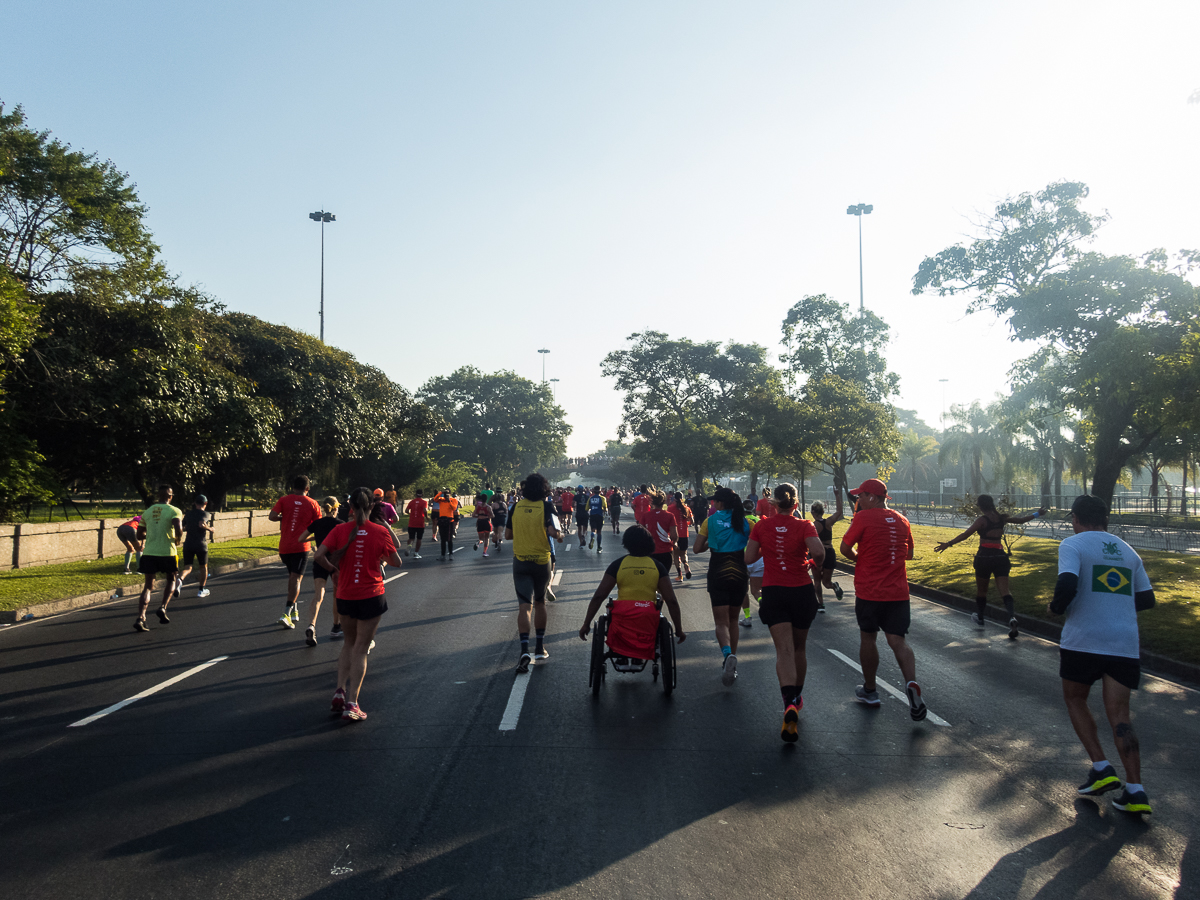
[
  {"x": 322, "y": 217},
  {"x": 554, "y": 388},
  {"x": 860, "y": 210},
  {"x": 942, "y": 478},
  {"x": 543, "y": 352}
]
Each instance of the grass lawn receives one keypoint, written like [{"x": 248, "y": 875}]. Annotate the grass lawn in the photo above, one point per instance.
[
  {"x": 1172, "y": 628},
  {"x": 24, "y": 587}
]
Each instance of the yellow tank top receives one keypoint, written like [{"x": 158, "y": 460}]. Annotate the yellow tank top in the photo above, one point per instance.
[{"x": 528, "y": 524}]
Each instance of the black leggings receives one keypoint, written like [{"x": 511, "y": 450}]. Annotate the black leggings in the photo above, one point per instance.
[{"x": 446, "y": 535}]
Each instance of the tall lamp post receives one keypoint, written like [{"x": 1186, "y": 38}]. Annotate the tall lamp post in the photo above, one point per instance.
[
  {"x": 322, "y": 217},
  {"x": 860, "y": 210},
  {"x": 543, "y": 352},
  {"x": 942, "y": 480},
  {"x": 554, "y": 388}
]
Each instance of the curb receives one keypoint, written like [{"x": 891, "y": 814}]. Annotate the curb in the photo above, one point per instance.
[
  {"x": 1151, "y": 662},
  {"x": 56, "y": 607}
]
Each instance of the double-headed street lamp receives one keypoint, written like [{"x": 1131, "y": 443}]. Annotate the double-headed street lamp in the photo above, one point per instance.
[
  {"x": 543, "y": 352},
  {"x": 322, "y": 217},
  {"x": 860, "y": 210}
]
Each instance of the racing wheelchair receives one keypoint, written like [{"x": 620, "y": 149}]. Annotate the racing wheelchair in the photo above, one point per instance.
[{"x": 630, "y": 634}]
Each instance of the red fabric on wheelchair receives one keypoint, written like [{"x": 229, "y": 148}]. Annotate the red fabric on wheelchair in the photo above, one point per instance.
[{"x": 633, "y": 628}]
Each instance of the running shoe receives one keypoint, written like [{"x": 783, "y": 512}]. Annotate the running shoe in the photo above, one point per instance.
[
  {"x": 541, "y": 654},
  {"x": 203, "y": 592},
  {"x": 679, "y": 579},
  {"x": 746, "y": 623},
  {"x": 485, "y": 553},
  {"x": 837, "y": 590},
  {"x": 729, "y": 671},
  {"x": 161, "y": 612},
  {"x": 353, "y": 713},
  {"x": 178, "y": 584},
  {"x": 916, "y": 706},
  {"x": 591, "y": 543},
  {"x": 140, "y": 625},
  {"x": 286, "y": 621},
  {"x": 476, "y": 547},
  {"x": 599, "y": 549},
  {"x": 550, "y": 595},
  {"x": 820, "y": 606},
  {"x": 339, "y": 702},
  {"x": 127, "y": 572},
  {"x": 1012, "y": 628},
  {"x": 1133, "y": 802},
  {"x": 791, "y": 720},
  {"x": 417, "y": 555},
  {"x": 406, "y": 551},
  {"x": 687, "y": 573},
  {"x": 370, "y": 647},
  {"x": 1099, "y": 781},
  {"x": 523, "y": 663},
  {"x": 862, "y": 695},
  {"x": 310, "y": 635},
  {"x": 295, "y": 614},
  {"x": 335, "y": 633},
  {"x": 977, "y": 621}
]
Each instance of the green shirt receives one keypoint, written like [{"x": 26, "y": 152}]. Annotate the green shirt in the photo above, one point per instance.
[{"x": 160, "y": 536}]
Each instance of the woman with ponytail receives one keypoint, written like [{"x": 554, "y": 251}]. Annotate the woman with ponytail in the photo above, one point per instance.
[
  {"x": 789, "y": 546},
  {"x": 726, "y": 532},
  {"x": 360, "y": 594}
]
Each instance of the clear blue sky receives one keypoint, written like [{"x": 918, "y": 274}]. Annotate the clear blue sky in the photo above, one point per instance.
[{"x": 509, "y": 176}]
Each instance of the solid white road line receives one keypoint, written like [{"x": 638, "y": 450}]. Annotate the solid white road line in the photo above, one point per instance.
[
  {"x": 879, "y": 682},
  {"x": 394, "y": 577},
  {"x": 556, "y": 578},
  {"x": 146, "y": 693},
  {"x": 516, "y": 700}
]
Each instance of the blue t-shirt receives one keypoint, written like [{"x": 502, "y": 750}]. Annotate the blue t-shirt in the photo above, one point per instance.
[{"x": 718, "y": 530}]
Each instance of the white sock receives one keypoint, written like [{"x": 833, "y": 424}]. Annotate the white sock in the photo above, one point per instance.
[
  {"x": 1133, "y": 788},
  {"x": 1100, "y": 764}
]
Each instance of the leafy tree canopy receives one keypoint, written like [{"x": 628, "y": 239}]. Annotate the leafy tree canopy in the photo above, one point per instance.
[{"x": 824, "y": 337}]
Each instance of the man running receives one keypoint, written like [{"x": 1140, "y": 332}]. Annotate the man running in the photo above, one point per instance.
[
  {"x": 446, "y": 522},
  {"x": 294, "y": 512},
  {"x": 596, "y": 507},
  {"x": 566, "y": 509},
  {"x": 615, "y": 502},
  {"x": 417, "y": 507},
  {"x": 161, "y": 528},
  {"x": 530, "y": 528},
  {"x": 884, "y": 541},
  {"x": 1102, "y": 586},
  {"x": 581, "y": 514},
  {"x": 483, "y": 523},
  {"x": 641, "y": 505},
  {"x": 196, "y": 535}
]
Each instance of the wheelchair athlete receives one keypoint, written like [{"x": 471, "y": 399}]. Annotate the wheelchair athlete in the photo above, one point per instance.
[{"x": 637, "y": 577}]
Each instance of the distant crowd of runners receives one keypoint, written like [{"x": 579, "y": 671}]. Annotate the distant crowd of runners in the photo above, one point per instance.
[{"x": 762, "y": 553}]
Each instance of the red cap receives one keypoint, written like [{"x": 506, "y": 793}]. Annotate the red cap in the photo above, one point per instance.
[{"x": 871, "y": 486}]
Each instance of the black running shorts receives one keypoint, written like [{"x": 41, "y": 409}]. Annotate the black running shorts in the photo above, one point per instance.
[
  {"x": 1088, "y": 668},
  {"x": 723, "y": 595},
  {"x": 830, "y": 562},
  {"x": 990, "y": 562},
  {"x": 294, "y": 562},
  {"x": 416, "y": 534},
  {"x": 783, "y": 604},
  {"x": 888, "y": 616},
  {"x": 370, "y": 608},
  {"x": 596, "y": 523},
  {"x": 615, "y": 513},
  {"x": 199, "y": 553},
  {"x": 321, "y": 572},
  {"x": 126, "y": 533},
  {"x": 667, "y": 559},
  {"x": 531, "y": 580},
  {"x": 682, "y": 545},
  {"x": 152, "y": 565},
  {"x": 483, "y": 526}
]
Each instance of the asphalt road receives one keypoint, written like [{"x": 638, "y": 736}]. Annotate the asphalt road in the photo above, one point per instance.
[{"x": 235, "y": 781}]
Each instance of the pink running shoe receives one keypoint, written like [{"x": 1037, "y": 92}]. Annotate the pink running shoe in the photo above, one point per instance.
[
  {"x": 339, "y": 702},
  {"x": 353, "y": 713}
]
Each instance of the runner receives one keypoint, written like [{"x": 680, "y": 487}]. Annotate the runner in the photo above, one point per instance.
[
  {"x": 597, "y": 507},
  {"x": 788, "y": 546},
  {"x": 661, "y": 525},
  {"x": 390, "y": 495},
  {"x": 881, "y": 602},
  {"x": 726, "y": 532},
  {"x": 699, "y": 507},
  {"x": 196, "y": 535},
  {"x": 483, "y": 523},
  {"x": 499, "y": 517},
  {"x": 683, "y": 518},
  {"x": 127, "y": 535},
  {"x": 616, "y": 501},
  {"x": 641, "y": 505},
  {"x": 318, "y": 531},
  {"x": 447, "y": 522},
  {"x": 417, "y": 507},
  {"x": 1102, "y": 586},
  {"x": 581, "y": 513},
  {"x": 764, "y": 508},
  {"x": 530, "y": 528},
  {"x": 294, "y": 512},
  {"x": 754, "y": 570},
  {"x": 360, "y": 594},
  {"x": 566, "y": 509},
  {"x": 825, "y": 533},
  {"x": 386, "y": 508},
  {"x": 160, "y": 530},
  {"x": 636, "y": 576},
  {"x": 991, "y": 558}
]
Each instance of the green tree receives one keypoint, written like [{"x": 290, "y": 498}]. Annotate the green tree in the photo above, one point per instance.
[
  {"x": 823, "y": 337},
  {"x": 689, "y": 450},
  {"x": 915, "y": 450},
  {"x": 505, "y": 424},
  {"x": 847, "y": 427},
  {"x": 973, "y": 436}
]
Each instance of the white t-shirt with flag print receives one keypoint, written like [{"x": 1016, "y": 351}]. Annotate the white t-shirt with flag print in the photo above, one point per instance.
[{"x": 1102, "y": 618}]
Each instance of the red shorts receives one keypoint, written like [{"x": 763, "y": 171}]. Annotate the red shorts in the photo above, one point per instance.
[{"x": 633, "y": 628}]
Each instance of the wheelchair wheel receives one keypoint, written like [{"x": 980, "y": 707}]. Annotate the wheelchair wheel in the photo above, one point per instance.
[
  {"x": 666, "y": 655},
  {"x": 599, "y": 665}
]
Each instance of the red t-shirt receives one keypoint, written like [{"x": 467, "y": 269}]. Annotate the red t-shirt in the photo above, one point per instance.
[
  {"x": 297, "y": 512},
  {"x": 682, "y": 518},
  {"x": 641, "y": 506},
  {"x": 884, "y": 541},
  {"x": 658, "y": 522},
  {"x": 417, "y": 507},
  {"x": 764, "y": 507},
  {"x": 783, "y": 541},
  {"x": 359, "y": 575},
  {"x": 568, "y": 501}
]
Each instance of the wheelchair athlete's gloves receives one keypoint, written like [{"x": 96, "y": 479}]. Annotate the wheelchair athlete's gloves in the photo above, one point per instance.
[{"x": 1064, "y": 592}]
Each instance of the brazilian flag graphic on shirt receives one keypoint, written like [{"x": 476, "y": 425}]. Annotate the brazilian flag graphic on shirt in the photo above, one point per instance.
[{"x": 1112, "y": 580}]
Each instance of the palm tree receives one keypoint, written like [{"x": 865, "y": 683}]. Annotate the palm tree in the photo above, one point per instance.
[
  {"x": 973, "y": 436},
  {"x": 914, "y": 448}
]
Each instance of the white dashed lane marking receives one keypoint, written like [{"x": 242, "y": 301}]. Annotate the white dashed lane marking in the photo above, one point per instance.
[
  {"x": 898, "y": 694},
  {"x": 146, "y": 693}
]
